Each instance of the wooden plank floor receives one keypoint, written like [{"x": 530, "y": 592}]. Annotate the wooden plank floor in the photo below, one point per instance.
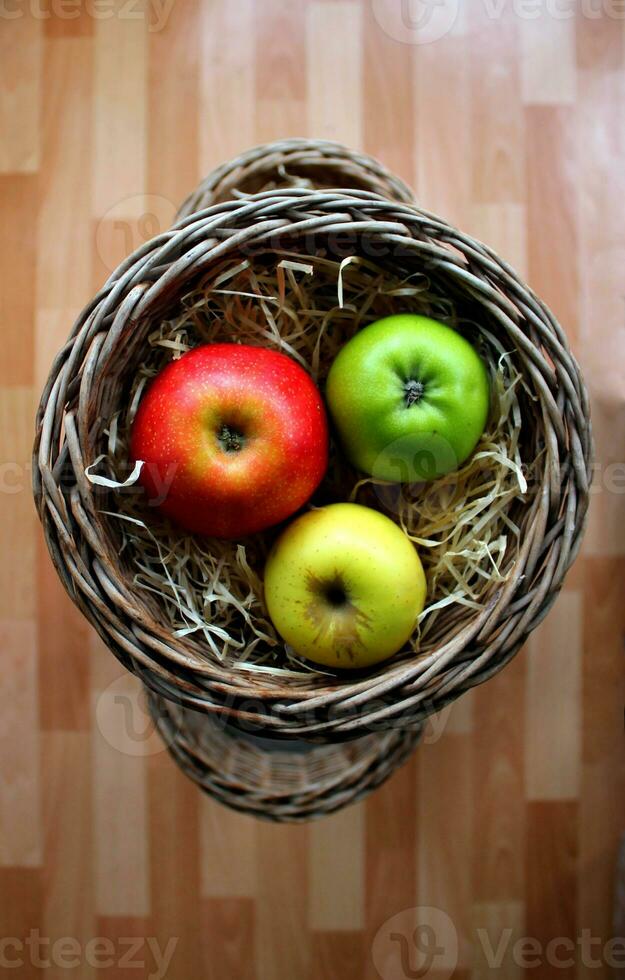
[{"x": 509, "y": 120}]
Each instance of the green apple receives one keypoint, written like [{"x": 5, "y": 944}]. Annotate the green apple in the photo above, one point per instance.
[
  {"x": 344, "y": 586},
  {"x": 409, "y": 397}
]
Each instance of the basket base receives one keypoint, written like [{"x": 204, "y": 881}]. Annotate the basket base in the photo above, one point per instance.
[{"x": 274, "y": 779}]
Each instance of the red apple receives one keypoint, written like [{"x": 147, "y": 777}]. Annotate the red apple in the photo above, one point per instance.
[{"x": 234, "y": 439}]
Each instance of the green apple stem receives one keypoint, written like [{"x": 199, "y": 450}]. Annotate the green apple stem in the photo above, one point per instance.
[{"x": 413, "y": 391}]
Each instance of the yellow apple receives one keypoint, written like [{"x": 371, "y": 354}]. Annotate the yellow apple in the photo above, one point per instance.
[{"x": 344, "y": 586}]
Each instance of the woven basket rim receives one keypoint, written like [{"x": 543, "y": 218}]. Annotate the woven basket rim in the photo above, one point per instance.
[
  {"x": 149, "y": 278},
  {"x": 295, "y": 157}
]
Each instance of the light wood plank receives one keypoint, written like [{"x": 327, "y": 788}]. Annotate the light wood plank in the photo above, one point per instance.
[
  {"x": 119, "y": 99},
  {"x": 280, "y": 76},
  {"x": 388, "y": 93},
  {"x": 444, "y": 847},
  {"x": 283, "y": 946},
  {"x": 175, "y": 865},
  {"x": 64, "y": 237},
  {"x": 545, "y": 79},
  {"x": 552, "y": 212},
  {"x": 18, "y": 209},
  {"x": 119, "y": 804},
  {"x": 18, "y": 528},
  {"x": 127, "y": 944},
  {"x": 70, "y": 19},
  {"x": 461, "y": 719},
  {"x": 499, "y": 788},
  {"x": 20, "y": 90},
  {"x": 68, "y": 904},
  {"x": 226, "y": 87},
  {"x": 443, "y": 128},
  {"x": 63, "y": 636},
  {"x": 601, "y": 135},
  {"x": 20, "y": 776},
  {"x": 228, "y": 937},
  {"x": 173, "y": 128},
  {"x": 497, "y": 927},
  {"x": 280, "y": 118},
  {"x": 334, "y": 50},
  {"x": 229, "y": 852},
  {"x": 280, "y": 50},
  {"x": 600, "y": 42},
  {"x": 602, "y": 790},
  {"x": 497, "y": 123},
  {"x": 391, "y": 828},
  {"x": 552, "y": 724},
  {"x": 336, "y": 871}
]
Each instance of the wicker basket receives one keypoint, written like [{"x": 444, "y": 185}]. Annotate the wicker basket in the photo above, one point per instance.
[
  {"x": 86, "y": 383},
  {"x": 296, "y": 163},
  {"x": 276, "y": 780}
]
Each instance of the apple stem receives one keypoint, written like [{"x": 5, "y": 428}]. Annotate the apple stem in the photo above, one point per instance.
[
  {"x": 230, "y": 439},
  {"x": 413, "y": 390}
]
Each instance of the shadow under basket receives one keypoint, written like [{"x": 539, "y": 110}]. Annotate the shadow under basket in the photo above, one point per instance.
[{"x": 276, "y": 199}]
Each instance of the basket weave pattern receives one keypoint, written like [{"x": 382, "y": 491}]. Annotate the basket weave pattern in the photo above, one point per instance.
[
  {"x": 311, "y": 164},
  {"x": 280, "y": 782},
  {"x": 86, "y": 384}
]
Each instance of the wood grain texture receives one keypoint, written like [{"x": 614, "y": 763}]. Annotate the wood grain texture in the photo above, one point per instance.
[
  {"x": 228, "y": 852},
  {"x": 497, "y": 130},
  {"x": 554, "y": 704},
  {"x": 388, "y": 122},
  {"x": 18, "y": 214},
  {"x": 391, "y": 850},
  {"x": 228, "y": 938},
  {"x": 443, "y": 129},
  {"x": 546, "y": 80},
  {"x": 21, "y": 841},
  {"x": 446, "y": 833},
  {"x": 551, "y": 909},
  {"x": 63, "y": 638},
  {"x": 336, "y": 872},
  {"x": 280, "y": 51},
  {"x": 69, "y": 898},
  {"x": 120, "y": 805},
  {"x": 339, "y": 954},
  {"x": 553, "y": 209},
  {"x": 498, "y": 761},
  {"x": 334, "y": 65},
  {"x": 18, "y": 529},
  {"x": 508, "y": 819},
  {"x": 226, "y": 86},
  {"x": 119, "y": 108},
  {"x": 20, "y": 92},
  {"x": 281, "y": 906},
  {"x": 64, "y": 234}
]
